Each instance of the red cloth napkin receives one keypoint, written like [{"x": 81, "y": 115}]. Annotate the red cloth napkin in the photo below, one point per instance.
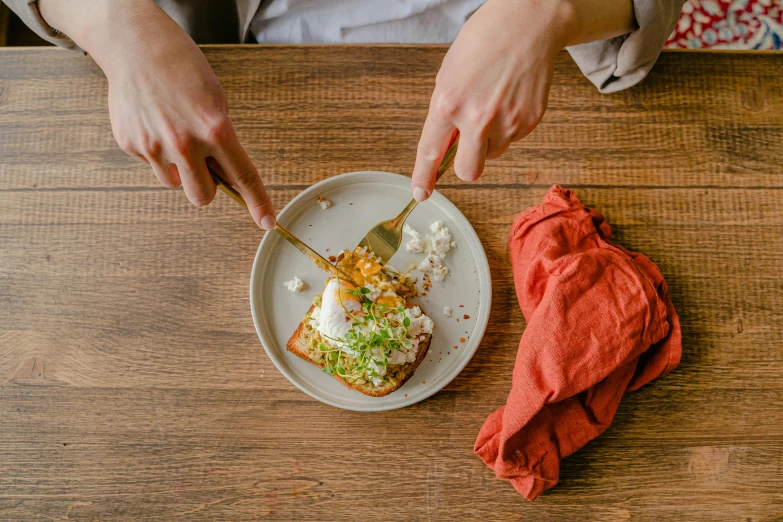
[{"x": 599, "y": 323}]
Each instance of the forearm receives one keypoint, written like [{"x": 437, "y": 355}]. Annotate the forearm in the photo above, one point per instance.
[
  {"x": 599, "y": 20},
  {"x": 104, "y": 28},
  {"x": 563, "y": 23}
]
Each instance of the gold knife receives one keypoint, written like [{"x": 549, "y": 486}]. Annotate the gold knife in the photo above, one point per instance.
[{"x": 300, "y": 245}]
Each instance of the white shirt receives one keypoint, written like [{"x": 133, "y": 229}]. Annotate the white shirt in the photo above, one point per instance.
[{"x": 361, "y": 21}]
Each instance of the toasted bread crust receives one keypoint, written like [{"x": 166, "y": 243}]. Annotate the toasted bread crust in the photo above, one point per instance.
[{"x": 298, "y": 342}]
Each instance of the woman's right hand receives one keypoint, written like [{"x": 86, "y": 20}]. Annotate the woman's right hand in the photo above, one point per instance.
[{"x": 166, "y": 105}]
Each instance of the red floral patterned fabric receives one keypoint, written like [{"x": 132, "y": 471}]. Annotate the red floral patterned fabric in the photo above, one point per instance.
[{"x": 729, "y": 24}]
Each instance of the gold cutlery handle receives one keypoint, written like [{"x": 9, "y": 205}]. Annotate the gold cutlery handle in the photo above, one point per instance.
[
  {"x": 448, "y": 159},
  {"x": 228, "y": 189},
  {"x": 445, "y": 164}
]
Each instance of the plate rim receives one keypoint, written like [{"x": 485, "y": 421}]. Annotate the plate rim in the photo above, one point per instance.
[{"x": 255, "y": 270}]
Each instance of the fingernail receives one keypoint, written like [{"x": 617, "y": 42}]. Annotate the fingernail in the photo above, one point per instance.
[
  {"x": 419, "y": 194},
  {"x": 268, "y": 222}
]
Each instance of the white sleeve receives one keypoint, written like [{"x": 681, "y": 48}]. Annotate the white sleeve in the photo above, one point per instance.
[
  {"x": 28, "y": 11},
  {"x": 622, "y": 62}
]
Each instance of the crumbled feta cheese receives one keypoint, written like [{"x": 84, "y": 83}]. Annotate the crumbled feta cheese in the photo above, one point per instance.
[
  {"x": 427, "y": 325},
  {"x": 439, "y": 273},
  {"x": 447, "y": 311},
  {"x": 323, "y": 202},
  {"x": 420, "y": 323},
  {"x": 439, "y": 244},
  {"x": 440, "y": 241},
  {"x": 375, "y": 292},
  {"x": 294, "y": 285},
  {"x": 435, "y": 246},
  {"x": 416, "y": 243},
  {"x": 397, "y": 357},
  {"x": 380, "y": 370},
  {"x": 406, "y": 356},
  {"x": 430, "y": 262}
]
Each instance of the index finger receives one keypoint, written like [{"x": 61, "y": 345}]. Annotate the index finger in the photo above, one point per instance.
[
  {"x": 243, "y": 175},
  {"x": 436, "y": 136}
]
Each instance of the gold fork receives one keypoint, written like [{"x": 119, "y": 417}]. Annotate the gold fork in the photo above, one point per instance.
[
  {"x": 300, "y": 245},
  {"x": 384, "y": 239}
]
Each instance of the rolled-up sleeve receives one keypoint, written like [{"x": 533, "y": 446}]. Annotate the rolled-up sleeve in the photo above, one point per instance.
[
  {"x": 28, "y": 11},
  {"x": 624, "y": 61}
]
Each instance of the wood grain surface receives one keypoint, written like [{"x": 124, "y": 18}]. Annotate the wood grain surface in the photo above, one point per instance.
[{"x": 132, "y": 383}]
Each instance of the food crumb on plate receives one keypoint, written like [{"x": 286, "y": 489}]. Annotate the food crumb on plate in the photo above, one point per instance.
[
  {"x": 323, "y": 202},
  {"x": 466, "y": 316},
  {"x": 447, "y": 311},
  {"x": 437, "y": 245},
  {"x": 439, "y": 242},
  {"x": 433, "y": 264},
  {"x": 294, "y": 285},
  {"x": 434, "y": 245},
  {"x": 332, "y": 259},
  {"x": 415, "y": 244},
  {"x": 462, "y": 339}
]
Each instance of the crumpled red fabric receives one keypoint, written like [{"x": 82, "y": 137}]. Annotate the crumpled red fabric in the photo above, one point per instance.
[{"x": 599, "y": 323}]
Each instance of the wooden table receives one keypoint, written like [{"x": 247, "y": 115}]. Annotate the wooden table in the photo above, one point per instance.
[{"x": 132, "y": 383}]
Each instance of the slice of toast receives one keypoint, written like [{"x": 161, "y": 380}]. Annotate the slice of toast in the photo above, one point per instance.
[{"x": 303, "y": 344}]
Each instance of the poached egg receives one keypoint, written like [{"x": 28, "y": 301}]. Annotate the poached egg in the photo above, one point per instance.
[{"x": 330, "y": 318}]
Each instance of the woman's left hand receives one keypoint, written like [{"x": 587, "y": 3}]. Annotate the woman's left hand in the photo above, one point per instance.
[{"x": 494, "y": 82}]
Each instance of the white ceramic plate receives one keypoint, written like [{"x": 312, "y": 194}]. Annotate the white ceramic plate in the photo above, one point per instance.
[{"x": 359, "y": 201}]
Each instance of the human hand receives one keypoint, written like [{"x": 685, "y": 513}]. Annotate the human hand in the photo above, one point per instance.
[
  {"x": 167, "y": 107},
  {"x": 494, "y": 82}
]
